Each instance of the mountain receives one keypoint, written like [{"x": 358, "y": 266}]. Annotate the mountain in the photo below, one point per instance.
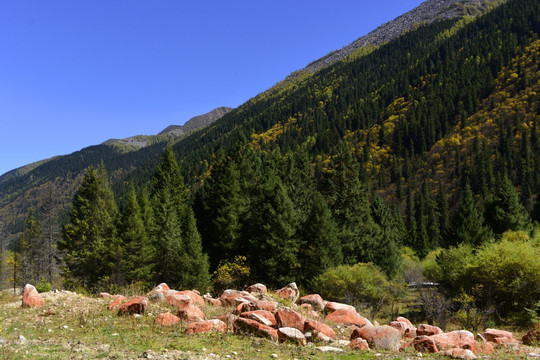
[
  {"x": 58, "y": 177},
  {"x": 171, "y": 132},
  {"x": 408, "y": 99}
]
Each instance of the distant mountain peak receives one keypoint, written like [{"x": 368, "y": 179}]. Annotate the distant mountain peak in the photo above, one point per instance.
[{"x": 172, "y": 131}]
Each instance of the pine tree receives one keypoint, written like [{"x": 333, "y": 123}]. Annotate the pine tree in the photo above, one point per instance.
[
  {"x": 174, "y": 234},
  {"x": 467, "y": 224},
  {"x": 89, "y": 239},
  {"x": 30, "y": 249},
  {"x": 136, "y": 251},
  {"x": 506, "y": 212}
]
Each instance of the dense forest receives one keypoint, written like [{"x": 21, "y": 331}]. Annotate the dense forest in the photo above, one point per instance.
[{"x": 420, "y": 157}]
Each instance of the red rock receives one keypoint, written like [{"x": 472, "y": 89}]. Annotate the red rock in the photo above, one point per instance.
[
  {"x": 243, "y": 325},
  {"x": 455, "y": 339},
  {"x": 289, "y": 291},
  {"x": 428, "y": 330},
  {"x": 459, "y": 353},
  {"x": 358, "y": 344},
  {"x": 257, "y": 288},
  {"x": 484, "y": 348},
  {"x": 228, "y": 296},
  {"x": 191, "y": 314},
  {"x": 331, "y": 306},
  {"x": 287, "y": 317},
  {"x": 424, "y": 343},
  {"x": 209, "y": 300},
  {"x": 228, "y": 319},
  {"x": 379, "y": 337},
  {"x": 291, "y": 335},
  {"x": 31, "y": 297},
  {"x": 406, "y": 321},
  {"x": 319, "y": 327},
  {"x": 161, "y": 288},
  {"x": 493, "y": 335},
  {"x": 315, "y": 300},
  {"x": 196, "y": 298},
  {"x": 116, "y": 302},
  {"x": 178, "y": 300},
  {"x": 347, "y": 317},
  {"x": 271, "y": 306},
  {"x": 135, "y": 305},
  {"x": 240, "y": 308},
  {"x": 404, "y": 329},
  {"x": 502, "y": 341},
  {"x": 313, "y": 314},
  {"x": 206, "y": 326},
  {"x": 166, "y": 319},
  {"x": 105, "y": 295},
  {"x": 532, "y": 336},
  {"x": 262, "y": 316}
]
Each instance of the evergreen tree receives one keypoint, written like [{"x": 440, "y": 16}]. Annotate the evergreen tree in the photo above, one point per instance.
[
  {"x": 30, "y": 249},
  {"x": 136, "y": 252},
  {"x": 505, "y": 212},
  {"x": 467, "y": 224},
  {"x": 320, "y": 247},
  {"x": 89, "y": 239},
  {"x": 174, "y": 234},
  {"x": 51, "y": 233}
]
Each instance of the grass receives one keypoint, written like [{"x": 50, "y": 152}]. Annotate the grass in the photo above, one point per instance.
[{"x": 82, "y": 328}]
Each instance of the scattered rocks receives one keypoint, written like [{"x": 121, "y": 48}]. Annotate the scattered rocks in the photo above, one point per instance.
[
  {"x": 257, "y": 288},
  {"x": 358, "y": 344},
  {"x": 191, "y": 314},
  {"x": 331, "y": 306},
  {"x": 289, "y": 291},
  {"x": 166, "y": 319},
  {"x": 116, "y": 302},
  {"x": 206, "y": 326},
  {"x": 248, "y": 326},
  {"x": 135, "y": 305},
  {"x": 315, "y": 300},
  {"x": 263, "y": 316},
  {"x": 380, "y": 337},
  {"x": 319, "y": 327},
  {"x": 424, "y": 329},
  {"x": 347, "y": 317},
  {"x": 455, "y": 339}
]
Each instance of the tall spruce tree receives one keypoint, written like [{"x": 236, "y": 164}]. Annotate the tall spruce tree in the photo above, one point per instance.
[
  {"x": 179, "y": 259},
  {"x": 31, "y": 261},
  {"x": 89, "y": 239},
  {"x": 505, "y": 212},
  {"x": 467, "y": 225}
]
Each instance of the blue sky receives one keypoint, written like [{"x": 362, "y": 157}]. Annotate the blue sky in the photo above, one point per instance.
[{"x": 76, "y": 73}]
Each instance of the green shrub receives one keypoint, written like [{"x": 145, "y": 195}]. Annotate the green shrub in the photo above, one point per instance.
[{"x": 43, "y": 285}]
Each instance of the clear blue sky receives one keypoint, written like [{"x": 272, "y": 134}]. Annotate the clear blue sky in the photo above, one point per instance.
[{"x": 76, "y": 73}]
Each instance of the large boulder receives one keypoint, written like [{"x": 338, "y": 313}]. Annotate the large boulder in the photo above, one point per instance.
[
  {"x": 347, "y": 317},
  {"x": 252, "y": 327},
  {"x": 499, "y": 337},
  {"x": 191, "y": 314},
  {"x": 196, "y": 298},
  {"x": 379, "y": 337},
  {"x": 456, "y": 339},
  {"x": 176, "y": 299},
  {"x": 289, "y": 334},
  {"x": 166, "y": 319},
  {"x": 532, "y": 336},
  {"x": 318, "y": 327},
  {"x": 267, "y": 305},
  {"x": 262, "y": 316},
  {"x": 31, "y": 297},
  {"x": 424, "y": 343},
  {"x": 404, "y": 329},
  {"x": 206, "y": 326},
  {"x": 228, "y": 296},
  {"x": 289, "y": 292},
  {"x": 135, "y": 305},
  {"x": 331, "y": 306},
  {"x": 315, "y": 300},
  {"x": 209, "y": 300},
  {"x": 428, "y": 330},
  {"x": 287, "y": 317},
  {"x": 116, "y": 302},
  {"x": 257, "y": 289}
]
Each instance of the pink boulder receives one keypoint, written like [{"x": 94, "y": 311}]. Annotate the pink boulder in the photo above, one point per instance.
[
  {"x": 289, "y": 291},
  {"x": 206, "y": 326},
  {"x": 116, "y": 302},
  {"x": 196, "y": 298},
  {"x": 166, "y": 319},
  {"x": 532, "y": 336},
  {"x": 331, "y": 306},
  {"x": 424, "y": 343},
  {"x": 228, "y": 296},
  {"x": 315, "y": 300},
  {"x": 319, "y": 327},
  {"x": 405, "y": 320},
  {"x": 289, "y": 334},
  {"x": 459, "y": 353},
  {"x": 105, "y": 295},
  {"x": 428, "y": 330},
  {"x": 499, "y": 336},
  {"x": 257, "y": 288},
  {"x": 262, "y": 316},
  {"x": 271, "y": 306},
  {"x": 252, "y": 327},
  {"x": 178, "y": 300},
  {"x": 347, "y": 317},
  {"x": 404, "y": 329},
  {"x": 161, "y": 288},
  {"x": 135, "y": 305},
  {"x": 358, "y": 344},
  {"x": 31, "y": 297},
  {"x": 380, "y": 337},
  {"x": 191, "y": 314},
  {"x": 455, "y": 339},
  {"x": 287, "y": 317}
]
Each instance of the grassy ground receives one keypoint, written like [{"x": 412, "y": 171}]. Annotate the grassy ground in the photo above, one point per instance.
[{"x": 72, "y": 326}]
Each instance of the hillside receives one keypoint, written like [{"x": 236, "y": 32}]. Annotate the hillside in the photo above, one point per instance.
[{"x": 57, "y": 178}]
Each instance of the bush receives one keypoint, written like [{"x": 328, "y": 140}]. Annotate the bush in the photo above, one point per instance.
[
  {"x": 43, "y": 285},
  {"x": 362, "y": 284},
  {"x": 231, "y": 275}
]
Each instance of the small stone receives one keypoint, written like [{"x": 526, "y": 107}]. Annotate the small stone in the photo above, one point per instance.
[
  {"x": 274, "y": 356},
  {"x": 22, "y": 340}
]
